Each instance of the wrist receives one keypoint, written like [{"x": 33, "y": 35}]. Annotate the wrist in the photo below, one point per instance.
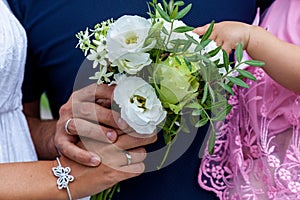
[
  {"x": 254, "y": 31},
  {"x": 81, "y": 179},
  {"x": 248, "y": 36},
  {"x": 64, "y": 178},
  {"x": 51, "y": 147}
]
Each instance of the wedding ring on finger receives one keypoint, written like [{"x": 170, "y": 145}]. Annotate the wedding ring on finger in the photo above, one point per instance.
[
  {"x": 66, "y": 126},
  {"x": 128, "y": 156}
]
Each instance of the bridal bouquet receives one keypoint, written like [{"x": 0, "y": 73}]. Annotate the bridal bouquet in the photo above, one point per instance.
[{"x": 163, "y": 71}]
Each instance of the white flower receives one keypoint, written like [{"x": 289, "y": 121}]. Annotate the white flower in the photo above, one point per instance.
[
  {"x": 140, "y": 107},
  {"x": 98, "y": 56},
  {"x": 84, "y": 41},
  {"x": 125, "y": 43},
  {"x": 102, "y": 76},
  {"x": 132, "y": 63}
]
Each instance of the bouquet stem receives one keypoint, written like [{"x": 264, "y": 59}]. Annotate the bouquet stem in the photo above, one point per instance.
[
  {"x": 166, "y": 155},
  {"x": 107, "y": 194}
]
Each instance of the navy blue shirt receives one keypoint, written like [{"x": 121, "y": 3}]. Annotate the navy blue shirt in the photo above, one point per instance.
[{"x": 53, "y": 63}]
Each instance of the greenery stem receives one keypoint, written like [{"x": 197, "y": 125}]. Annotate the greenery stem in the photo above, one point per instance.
[
  {"x": 114, "y": 188},
  {"x": 169, "y": 145},
  {"x": 232, "y": 70},
  {"x": 171, "y": 31}
]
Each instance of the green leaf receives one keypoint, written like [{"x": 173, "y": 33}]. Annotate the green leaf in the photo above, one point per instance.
[
  {"x": 185, "y": 128},
  {"x": 179, "y": 42},
  {"x": 194, "y": 58},
  {"x": 177, "y": 60},
  {"x": 183, "y": 12},
  {"x": 238, "y": 81},
  {"x": 195, "y": 105},
  {"x": 188, "y": 64},
  {"x": 190, "y": 38},
  {"x": 183, "y": 29},
  {"x": 202, "y": 45},
  {"x": 208, "y": 32},
  {"x": 246, "y": 74},
  {"x": 167, "y": 138},
  {"x": 214, "y": 52},
  {"x": 211, "y": 93},
  {"x": 229, "y": 107},
  {"x": 165, "y": 5},
  {"x": 179, "y": 3},
  {"x": 186, "y": 46},
  {"x": 218, "y": 104},
  {"x": 217, "y": 63},
  {"x": 239, "y": 52},
  {"x": 225, "y": 60},
  {"x": 227, "y": 88},
  {"x": 163, "y": 14},
  {"x": 196, "y": 112},
  {"x": 201, "y": 123},
  {"x": 174, "y": 12},
  {"x": 211, "y": 142},
  {"x": 171, "y": 5},
  {"x": 221, "y": 115},
  {"x": 205, "y": 92},
  {"x": 165, "y": 31},
  {"x": 254, "y": 63}
]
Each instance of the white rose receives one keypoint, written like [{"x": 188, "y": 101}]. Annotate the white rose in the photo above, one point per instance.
[
  {"x": 125, "y": 43},
  {"x": 140, "y": 107},
  {"x": 132, "y": 63}
]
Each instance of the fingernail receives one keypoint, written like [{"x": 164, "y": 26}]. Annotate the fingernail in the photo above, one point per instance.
[
  {"x": 111, "y": 136},
  {"x": 95, "y": 160},
  {"x": 122, "y": 124}
]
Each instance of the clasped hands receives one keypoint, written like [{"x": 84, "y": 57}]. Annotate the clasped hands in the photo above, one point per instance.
[{"x": 97, "y": 137}]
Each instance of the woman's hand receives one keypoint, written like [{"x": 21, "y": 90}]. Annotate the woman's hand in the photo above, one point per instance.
[{"x": 115, "y": 165}]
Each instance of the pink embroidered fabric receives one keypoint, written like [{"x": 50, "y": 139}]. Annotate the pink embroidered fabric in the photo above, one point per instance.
[{"x": 257, "y": 153}]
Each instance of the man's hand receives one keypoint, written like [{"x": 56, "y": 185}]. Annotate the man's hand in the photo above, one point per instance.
[{"x": 91, "y": 117}]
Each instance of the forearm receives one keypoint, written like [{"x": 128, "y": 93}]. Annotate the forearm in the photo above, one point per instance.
[
  {"x": 36, "y": 181},
  {"x": 42, "y": 133},
  {"x": 32, "y": 180},
  {"x": 282, "y": 59}
]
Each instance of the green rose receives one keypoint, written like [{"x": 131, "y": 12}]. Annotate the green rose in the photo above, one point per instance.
[{"x": 175, "y": 83}]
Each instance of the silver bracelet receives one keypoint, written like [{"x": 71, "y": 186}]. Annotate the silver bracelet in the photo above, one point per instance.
[{"x": 63, "y": 177}]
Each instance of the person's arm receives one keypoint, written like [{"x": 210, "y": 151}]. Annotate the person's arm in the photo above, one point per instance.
[
  {"x": 282, "y": 60},
  {"x": 42, "y": 131},
  {"x": 35, "y": 180}
]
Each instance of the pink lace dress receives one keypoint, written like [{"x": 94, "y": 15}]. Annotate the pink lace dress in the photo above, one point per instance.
[{"x": 257, "y": 153}]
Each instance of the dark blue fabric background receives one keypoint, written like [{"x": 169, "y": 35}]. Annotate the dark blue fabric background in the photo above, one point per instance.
[{"x": 53, "y": 63}]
